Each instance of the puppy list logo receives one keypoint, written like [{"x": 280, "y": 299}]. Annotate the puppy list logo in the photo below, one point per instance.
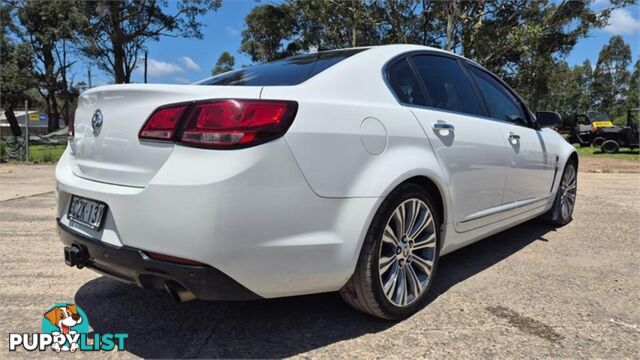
[{"x": 65, "y": 327}]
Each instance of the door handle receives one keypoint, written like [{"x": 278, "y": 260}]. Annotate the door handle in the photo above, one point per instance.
[
  {"x": 514, "y": 138},
  {"x": 443, "y": 126}
]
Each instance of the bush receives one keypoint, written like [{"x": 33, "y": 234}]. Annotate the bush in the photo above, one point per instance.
[
  {"x": 45, "y": 153},
  {"x": 47, "y": 156},
  {"x": 3, "y": 150}
]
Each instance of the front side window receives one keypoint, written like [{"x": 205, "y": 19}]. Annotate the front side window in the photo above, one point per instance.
[
  {"x": 290, "y": 71},
  {"x": 447, "y": 86},
  {"x": 404, "y": 83},
  {"x": 502, "y": 105}
]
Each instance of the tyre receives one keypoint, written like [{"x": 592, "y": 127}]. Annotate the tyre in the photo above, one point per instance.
[
  {"x": 562, "y": 211},
  {"x": 610, "y": 147},
  {"x": 399, "y": 256},
  {"x": 597, "y": 142}
]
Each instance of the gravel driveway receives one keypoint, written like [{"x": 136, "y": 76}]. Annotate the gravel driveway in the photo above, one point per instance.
[{"x": 532, "y": 291}]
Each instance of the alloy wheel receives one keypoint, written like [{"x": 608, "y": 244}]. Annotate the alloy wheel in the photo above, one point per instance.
[
  {"x": 568, "y": 192},
  {"x": 407, "y": 252}
]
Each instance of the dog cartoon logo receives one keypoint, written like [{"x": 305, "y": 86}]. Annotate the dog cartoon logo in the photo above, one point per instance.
[
  {"x": 65, "y": 327},
  {"x": 65, "y": 319}
]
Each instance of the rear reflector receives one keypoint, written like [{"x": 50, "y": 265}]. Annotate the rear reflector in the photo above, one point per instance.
[
  {"x": 221, "y": 124},
  {"x": 162, "y": 123},
  {"x": 173, "y": 259},
  {"x": 71, "y": 125}
]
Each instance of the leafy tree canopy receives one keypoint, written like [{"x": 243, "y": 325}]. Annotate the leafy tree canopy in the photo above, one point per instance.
[
  {"x": 50, "y": 27},
  {"x": 633, "y": 97},
  {"x": 118, "y": 30},
  {"x": 225, "y": 63},
  {"x": 611, "y": 76},
  {"x": 16, "y": 61},
  {"x": 523, "y": 41}
]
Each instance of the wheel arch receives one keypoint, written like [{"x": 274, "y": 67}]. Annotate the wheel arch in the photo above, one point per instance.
[
  {"x": 434, "y": 191},
  {"x": 431, "y": 183},
  {"x": 553, "y": 215},
  {"x": 574, "y": 157},
  {"x": 360, "y": 292},
  {"x": 566, "y": 154}
]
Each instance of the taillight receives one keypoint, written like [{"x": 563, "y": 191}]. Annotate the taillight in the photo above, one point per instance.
[
  {"x": 162, "y": 123},
  {"x": 71, "y": 125},
  {"x": 221, "y": 124},
  {"x": 229, "y": 123}
]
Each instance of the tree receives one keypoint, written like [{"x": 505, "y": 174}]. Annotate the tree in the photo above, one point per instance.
[
  {"x": 16, "y": 61},
  {"x": 633, "y": 95},
  {"x": 225, "y": 63},
  {"x": 403, "y": 21},
  {"x": 332, "y": 24},
  {"x": 16, "y": 79},
  {"x": 50, "y": 27},
  {"x": 562, "y": 87},
  {"x": 523, "y": 41},
  {"x": 119, "y": 30},
  {"x": 583, "y": 78},
  {"x": 611, "y": 77},
  {"x": 268, "y": 26},
  {"x": 276, "y": 31}
]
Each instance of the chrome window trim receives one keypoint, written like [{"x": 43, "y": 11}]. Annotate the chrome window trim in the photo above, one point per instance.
[
  {"x": 520, "y": 101},
  {"x": 464, "y": 63},
  {"x": 474, "y": 89}
]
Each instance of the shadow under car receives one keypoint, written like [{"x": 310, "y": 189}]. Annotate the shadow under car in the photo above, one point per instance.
[{"x": 274, "y": 328}]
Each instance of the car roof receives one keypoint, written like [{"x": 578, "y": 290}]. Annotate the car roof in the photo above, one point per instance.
[
  {"x": 403, "y": 48},
  {"x": 374, "y": 52},
  {"x": 395, "y": 50}
]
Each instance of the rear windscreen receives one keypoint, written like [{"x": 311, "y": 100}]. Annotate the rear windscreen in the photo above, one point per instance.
[{"x": 290, "y": 71}]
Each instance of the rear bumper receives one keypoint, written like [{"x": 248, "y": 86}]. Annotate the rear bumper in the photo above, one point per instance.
[
  {"x": 133, "y": 266},
  {"x": 248, "y": 213}
]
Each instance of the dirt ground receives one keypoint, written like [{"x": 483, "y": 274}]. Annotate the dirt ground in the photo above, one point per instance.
[
  {"x": 608, "y": 165},
  {"x": 18, "y": 181},
  {"x": 531, "y": 291}
]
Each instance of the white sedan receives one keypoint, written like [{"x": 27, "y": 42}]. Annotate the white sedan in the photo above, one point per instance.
[{"x": 351, "y": 170}]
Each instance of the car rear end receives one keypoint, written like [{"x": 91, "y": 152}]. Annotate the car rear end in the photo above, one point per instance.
[{"x": 193, "y": 189}]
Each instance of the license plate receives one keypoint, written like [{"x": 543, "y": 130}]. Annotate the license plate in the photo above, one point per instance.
[{"x": 86, "y": 212}]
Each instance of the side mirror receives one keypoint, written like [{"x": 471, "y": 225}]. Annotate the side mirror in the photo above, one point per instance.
[{"x": 546, "y": 119}]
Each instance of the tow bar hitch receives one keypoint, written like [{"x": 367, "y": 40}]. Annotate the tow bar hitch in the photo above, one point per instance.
[{"x": 75, "y": 256}]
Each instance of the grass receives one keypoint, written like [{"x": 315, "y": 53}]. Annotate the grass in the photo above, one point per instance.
[
  {"x": 595, "y": 152},
  {"x": 45, "y": 153}
]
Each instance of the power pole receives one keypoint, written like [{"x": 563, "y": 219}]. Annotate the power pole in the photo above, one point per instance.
[
  {"x": 26, "y": 127},
  {"x": 145, "y": 66}
]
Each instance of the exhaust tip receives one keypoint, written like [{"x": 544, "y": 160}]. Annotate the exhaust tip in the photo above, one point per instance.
[{"x": 178, "y": 292}]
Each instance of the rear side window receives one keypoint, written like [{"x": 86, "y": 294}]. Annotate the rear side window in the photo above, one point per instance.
[
  {"x": 290, "y": 71},
  {"x": 502, "y": 105},
  {"x": 404, "y": 83},
  {"x": 447, "y": 86}
]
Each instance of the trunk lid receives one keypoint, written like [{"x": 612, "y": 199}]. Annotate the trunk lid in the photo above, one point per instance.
[{"x": 113, "y": 153}]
